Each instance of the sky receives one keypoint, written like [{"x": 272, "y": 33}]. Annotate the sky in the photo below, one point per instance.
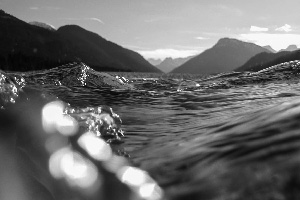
[{"x": 170, "y": 28}]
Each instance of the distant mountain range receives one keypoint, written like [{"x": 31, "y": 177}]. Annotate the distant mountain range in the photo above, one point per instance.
[
  {"x": 290, "y": 48},
  {"x": 37, "y": 46},
  {"x": 168, "y": 64},
  {"x": 270, "y": 48},
  {"x": 154, "y": 61},
  {"x": 225, "y": 56}
]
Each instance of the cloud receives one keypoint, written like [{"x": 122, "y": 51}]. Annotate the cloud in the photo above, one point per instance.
[
  {"x": 34, "y": 8},
  {"x": 44, "y": 8},
  {"x": 229, "y": 9},
  {"x": 258, "y": 29},
  {"x": 163, "y": 53},
  {"x": 86, "y": 18},
  {"x": 153, "y": 19},
  {"x": 201, "y": 38},
  {"x": 284, "y": 28},
  {"x": 96, "y": 19},
  {"x": 275, "y": 40}
]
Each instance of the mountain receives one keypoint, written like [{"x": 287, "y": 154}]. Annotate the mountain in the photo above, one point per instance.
[
  {"x": 168, "y": 64},
  {"x": 27, "y": 47},
  {"x": 226, "y": 55},
  {"x": 99, "y": 53},
  {"x": 258, "y": 61},
  {"x": 43, "y": 25},
  {"x": 265, "y": 60},
  {"x": 31, "y": 47},
  {"x": 154, "y": 62},
  {"x": 270, "y": 49},
  {"x": 290, "y": 48}
]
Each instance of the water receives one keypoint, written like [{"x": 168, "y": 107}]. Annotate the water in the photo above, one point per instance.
[{"x": 228, "y": 136}]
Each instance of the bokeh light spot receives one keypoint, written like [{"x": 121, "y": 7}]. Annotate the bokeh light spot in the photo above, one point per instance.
[
  {"x": 150, "y": 191},
  {"x": 51, "y": 114},
  {"x": 132, "y": 176},
  {"x": 95, "y": 146},
  {"x": 54, "y": 163},
  {"x": 74, "y": 168},
  {"x": 67, "y": 125}
]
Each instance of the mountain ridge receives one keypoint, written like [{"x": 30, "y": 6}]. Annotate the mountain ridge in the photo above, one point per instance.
[
  {"x": 168, "y": 64},
  {"x": 30, "y": 47},
  {"x": 291, "y": 47},
  {"x": 270, "y": 49},
  {"x": 226, "y": 55},
  {"x": 42, "y": 25},
  {"x": 265, "y": 60},
  {"x": 154, "y": 61}
]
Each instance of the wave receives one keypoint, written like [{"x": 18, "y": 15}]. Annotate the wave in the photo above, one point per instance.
[
  {"x": 76, "y": 74},
  {"x": 250, "y": 152},
  {"x": 78, "y": 145}
]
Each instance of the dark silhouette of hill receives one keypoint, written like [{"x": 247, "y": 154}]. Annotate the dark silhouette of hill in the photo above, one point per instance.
[
  {"x": 226, "y": 55},
  {"x": 29, "y": 47},
  {"x": 265, "y": 60},
  {"x": 168, "y": 64},
  {"x": 98, "y": 52}
]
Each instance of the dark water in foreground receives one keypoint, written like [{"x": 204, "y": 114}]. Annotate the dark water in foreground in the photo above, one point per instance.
[{"x": 230, "y": 136}]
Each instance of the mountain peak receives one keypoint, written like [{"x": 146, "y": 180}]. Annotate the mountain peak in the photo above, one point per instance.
[
  {"x": 224, "y": 56},
  {"x": 38, "y": 48},
  {"x": 5, "y": 15},
  {"x": 291, "y": 47},
  {"x": 154, "y": 61},
  {"x": 268, "y": 47},
  {"x": 168, "y": 59},
  {"x": 169, "y": 63},
  {"x": 71, "y": 27},
  {"x": 227, "y": 41}
]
